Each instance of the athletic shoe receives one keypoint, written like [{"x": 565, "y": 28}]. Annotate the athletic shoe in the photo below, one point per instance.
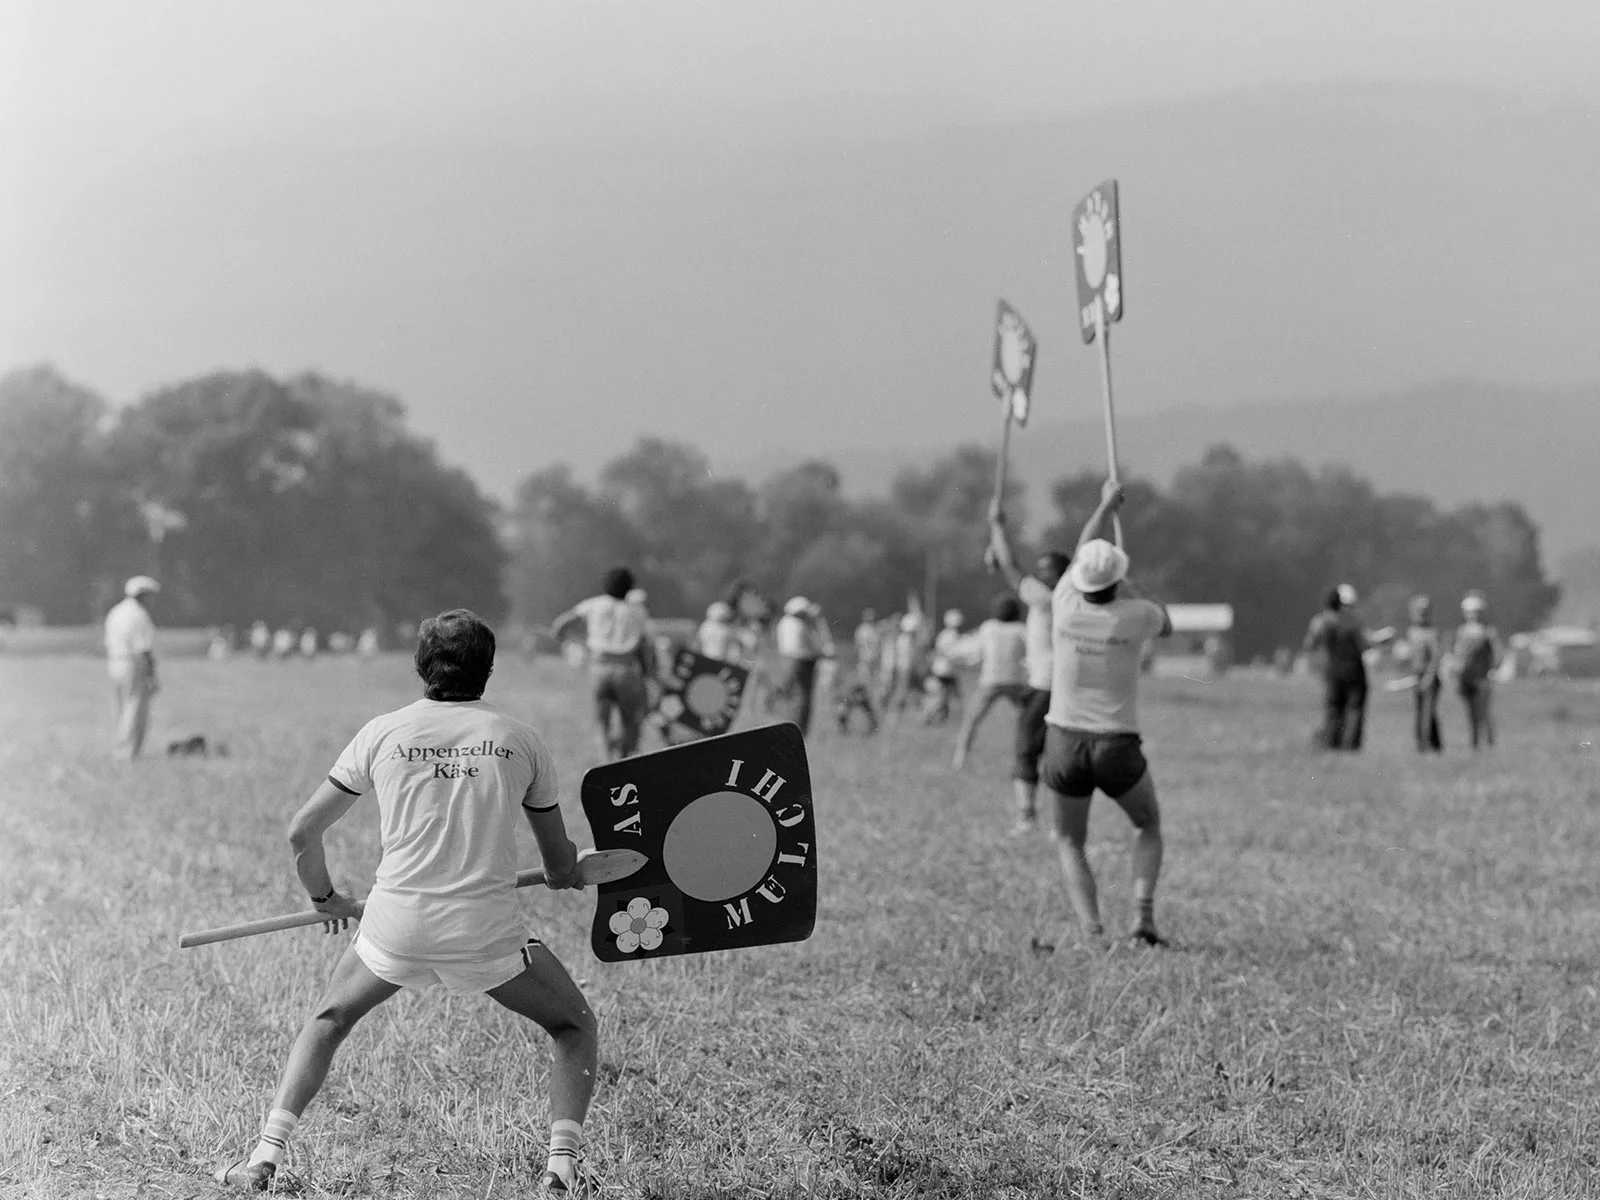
[
  {"x": 260, "y": 1177},
  {"x": 582, "y": 1187},
  {"x": 1146, "y": 935}
]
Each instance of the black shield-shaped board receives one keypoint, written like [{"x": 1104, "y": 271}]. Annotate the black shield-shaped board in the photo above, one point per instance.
[{"x": 729, "y": 832}]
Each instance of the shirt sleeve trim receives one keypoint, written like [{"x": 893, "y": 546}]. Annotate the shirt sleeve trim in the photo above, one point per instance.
[
  {"x": 542, "y": 808},
  {"x": 348, "y": 791}
]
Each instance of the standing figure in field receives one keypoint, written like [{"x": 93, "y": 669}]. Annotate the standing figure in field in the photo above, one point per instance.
[
  {"x": 1422, "y": 640},
  {"x": 450, "y": 774},
  {"x": 260, "y": 639},
  {"x": 1101, "y": 625},
  {"x": 717, "y": 638},
  {"x": 942, "y": 691},
  {"x": 1335, "y": 636},
  {"x": 906, "y": 671},
  {"x": 131, "y": 662},
  {"x": 858, "y": 693},
  {"x": 1035, "y": 591},
  {"x": 1002, "y": 670},
  {"x": 803, "y": 642},
  {"x": 1477, "y": 652},
  {"x": 621, "y": 658}
]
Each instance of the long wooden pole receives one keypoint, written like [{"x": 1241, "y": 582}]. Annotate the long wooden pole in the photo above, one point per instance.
[
  {"x": 594, "y": 866},
  {"x": 1102, "y": 330}
]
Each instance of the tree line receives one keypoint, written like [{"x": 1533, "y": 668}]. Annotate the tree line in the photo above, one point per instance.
[{"x": 307, "y": 501}]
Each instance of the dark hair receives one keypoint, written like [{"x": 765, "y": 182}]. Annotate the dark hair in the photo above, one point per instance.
[
  {"x": 1006, "y": 608},
  {"x": 618, "y": 583},
  {"x": 1335, "y": 603},
  {"x": 455, "y": 655},
  {"x": 1055, "y": 561},
  {"x": 1103, "y": 596}
]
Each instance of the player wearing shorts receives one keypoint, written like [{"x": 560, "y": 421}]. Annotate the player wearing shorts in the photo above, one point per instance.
[
  {"x": 1477, "y": 652},
  {"x": 1002, "y": 643},
  {"x": 1035, "y": 591},
  {"x": 621, "y": 658},
  {"x": 450, "y": 774},
  {"x": 1102, "y": 624}
]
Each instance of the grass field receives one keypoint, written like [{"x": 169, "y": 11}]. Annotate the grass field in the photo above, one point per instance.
[{"x": 1385, "y": 982}]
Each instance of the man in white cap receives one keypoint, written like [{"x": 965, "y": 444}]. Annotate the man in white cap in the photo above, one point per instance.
[
  {"x": 802, "y": 643},
  {"x": 1337, "y": 638},
  {"x": 1477, "y": 652},
  {"x": 131, "y": 662},
  {"x": 716, "y": 638},
  {"x": 1101, "y": 626}
]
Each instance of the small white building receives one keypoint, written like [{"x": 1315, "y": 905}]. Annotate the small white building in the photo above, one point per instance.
[{"x": 1200, "y": 645}]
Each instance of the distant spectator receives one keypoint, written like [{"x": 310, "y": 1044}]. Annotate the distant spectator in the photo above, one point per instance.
[
  {"x": 1335, "y": 636},
  {"x": 1423, "y": 654},
  {"x": 283, "y": 643},
  {"x": 943, "y": 688},
  {"x": 260, "y": 639},
  {"x": 367, "y": 643},
  {"x": 308, "y": 642},
  {"x": 1477, "y": 651},
  {"x": 717, "y": 638},
  {"x": 131, "y": 662}
]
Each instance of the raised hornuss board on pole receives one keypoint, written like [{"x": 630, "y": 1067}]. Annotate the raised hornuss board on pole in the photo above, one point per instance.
[
  {"x": 729, "y": 837},
  {"x": 1015, "y": 349},
  {"x": 1097, "y": 255}
]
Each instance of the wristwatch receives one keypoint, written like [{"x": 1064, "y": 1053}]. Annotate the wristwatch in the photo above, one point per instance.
[{"x": 332, "y": 891}]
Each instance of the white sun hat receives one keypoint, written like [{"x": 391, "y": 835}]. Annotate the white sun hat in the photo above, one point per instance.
[
  {"x": 1096, "y": 566},
  {"x": 139, "y": 585},
  {"x": 719, "y": 610},
  {"x": 1473, "y": 602},
  {"x": 797, "y": 605},
  {"x": 1348, "y": 595}
]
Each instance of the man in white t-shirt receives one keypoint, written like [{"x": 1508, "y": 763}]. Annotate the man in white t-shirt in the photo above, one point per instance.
[
  {"x": 803, "y": 642},
  {"x": 1002, "y": 646},
  {"x": 453, "y": 777},
  {"x": 1034, "y": 591},
  {"x": 131, "y": 663},
  {"x": 1102, "y": 624},
  {"x": 621, "y": 658}
]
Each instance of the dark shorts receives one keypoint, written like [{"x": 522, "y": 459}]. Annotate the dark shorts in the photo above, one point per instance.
[
  {"x": 1075, "y": 763},
  {"x": 1035, "y": 704}
]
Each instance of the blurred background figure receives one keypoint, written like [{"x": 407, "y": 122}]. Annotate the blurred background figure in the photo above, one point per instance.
[
  {"x": 283, "y": 643},
  {"x": 260, "y": 639},
  {"x": 131, "y": 663},
  {"x": 803, "y": 642},
  {"x": 621, "y": 657},
  {"x": 367, "y": 643},
  {"x": 942, "y": 688},
  {"x": 1477, "y": 652},
  {"x": 1002, "y": 643},
  {"x": 717, "y": 638},
  {"x": 219, "y": 643},
  {"x": 308, "y": 642},
  {"x": 1339, "y": 644},
  {"x": 1423, "y": 653}
]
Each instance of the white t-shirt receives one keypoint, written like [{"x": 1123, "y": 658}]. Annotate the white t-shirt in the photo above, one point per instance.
[
  {"x": 717, "y": 639},
  {"x": 1036, "y": 597},
  {"x": 1098, "y": 648},
  {"x": 798, "y": 637},
  {"x": 615, "y": 626},
  {"x": 450, "y": 780},
  {"x": 1002, "y": 653},
  {"x": 129, "y": 632}
]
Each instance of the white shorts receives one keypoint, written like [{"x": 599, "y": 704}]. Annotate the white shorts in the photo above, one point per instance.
[{"x": 460, "y": 978}]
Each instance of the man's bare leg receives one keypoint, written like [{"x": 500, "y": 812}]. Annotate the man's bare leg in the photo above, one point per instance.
[
  {"x": 1072, "y": 834},
  {"x": 1139, "y": 802}
]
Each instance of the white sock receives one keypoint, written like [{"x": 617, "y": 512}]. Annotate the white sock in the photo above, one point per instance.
[
  {"x": 566, "y": 1143},
  {"x": 274, "y": 1143}
]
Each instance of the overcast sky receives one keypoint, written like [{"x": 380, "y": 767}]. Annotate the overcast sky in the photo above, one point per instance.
[{"x": 95, "y": 95}]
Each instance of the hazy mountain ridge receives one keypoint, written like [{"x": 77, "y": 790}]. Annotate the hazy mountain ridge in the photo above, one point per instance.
[{"x": 1454, "y": 443}]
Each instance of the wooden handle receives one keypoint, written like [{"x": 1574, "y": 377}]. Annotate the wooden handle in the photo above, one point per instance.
[{"x": 594, "y": 866}]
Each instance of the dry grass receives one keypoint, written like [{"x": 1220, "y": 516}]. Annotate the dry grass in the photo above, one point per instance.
[{"x": 1386, "y": 983}]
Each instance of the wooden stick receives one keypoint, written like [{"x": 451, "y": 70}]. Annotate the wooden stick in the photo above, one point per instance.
[
  {"x": 1000, "y": 465},
  {"x": 1102, "y": 329},
  {"x": 594, "y": 866}
]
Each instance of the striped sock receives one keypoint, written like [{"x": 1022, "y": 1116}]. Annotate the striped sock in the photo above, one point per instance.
[
  {"x": 1147, "y": 912},
  {"x": 274, "y": 1143},
  {"x": 566, "y": 1143}
]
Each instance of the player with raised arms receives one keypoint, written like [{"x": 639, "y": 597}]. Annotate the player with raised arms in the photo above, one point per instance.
[
  {"x": 450, "y": 773},
  {"x": 1102, "y": 623}
]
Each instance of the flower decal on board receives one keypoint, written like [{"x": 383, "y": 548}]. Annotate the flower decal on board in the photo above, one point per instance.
[{"x": 639, "y": 925}]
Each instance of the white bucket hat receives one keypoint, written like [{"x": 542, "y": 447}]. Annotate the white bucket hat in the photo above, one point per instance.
[
  {"x": 797, "y": 605},
  {"x": 1096, "y": 566},
  {"x": 139, "y": 585},
  {"x": 1348, "y": 595},
  {"x": 1473, "y": 602}
]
